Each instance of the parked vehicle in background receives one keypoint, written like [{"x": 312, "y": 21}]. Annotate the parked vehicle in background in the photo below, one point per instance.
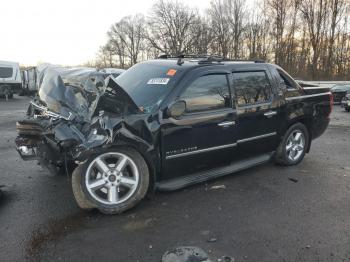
[
  {"x": 29, "y": 81},
  {"x": 32, "y": 86},
  {"x": 24, "y": 75},
  {"x": 346, "y": 102},
  {"x": 10, "y": 79},
  {"x": 168, "y": 123},
  {"x": 339, "y": 91}
]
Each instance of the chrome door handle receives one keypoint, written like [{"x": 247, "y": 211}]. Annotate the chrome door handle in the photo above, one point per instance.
[
  {"x": 270, "y": 113},
  {"x": 227, "y": 123}
]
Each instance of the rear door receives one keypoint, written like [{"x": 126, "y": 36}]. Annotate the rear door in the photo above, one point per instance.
[
  {"x": 205, "y": 136},
  {"x": 257, "y": 114}
]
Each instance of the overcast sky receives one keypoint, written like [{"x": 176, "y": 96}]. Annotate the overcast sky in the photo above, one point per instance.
[{"x": 67, "y": 32}]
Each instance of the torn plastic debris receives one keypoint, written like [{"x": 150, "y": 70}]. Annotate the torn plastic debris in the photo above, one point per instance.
[
  {"x": 218, "y": 187},
  {"x": 77, "y": 91},
  {"x": 185, "y": 254},
  {"x": 225, "y": 259}
]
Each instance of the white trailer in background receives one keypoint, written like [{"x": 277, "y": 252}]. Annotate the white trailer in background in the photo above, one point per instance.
[
  {"x": 29, "y": 81},
  {"x": 10, "y": 79}
]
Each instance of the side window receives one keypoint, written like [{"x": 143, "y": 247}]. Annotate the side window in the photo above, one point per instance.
[
  {"x": 207, "y": 93},
  {"x": 285, "y": 80},
  {"x": 251, "y": 87}
]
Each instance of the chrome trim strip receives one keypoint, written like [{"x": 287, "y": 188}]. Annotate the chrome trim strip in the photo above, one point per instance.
[
  {"x": 201, "y": 151},
  {"x": 305, "y": 96},
  {"x": 256, "y": 137},
  {"x": 314, "y": 88},
  {"x": 46, "y": 112},
  {"x": 227, "y": 123},
  {"x": 270, "y": 113}
]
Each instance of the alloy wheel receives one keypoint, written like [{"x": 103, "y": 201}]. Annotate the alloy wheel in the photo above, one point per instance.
[
  {"x": 112, "y": 178},
  {"x": 295, "y": 145}
]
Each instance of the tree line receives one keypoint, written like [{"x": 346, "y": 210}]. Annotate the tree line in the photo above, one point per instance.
[{"x": 309, "y": 38}]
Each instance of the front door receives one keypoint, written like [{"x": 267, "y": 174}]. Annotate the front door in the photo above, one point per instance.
[
  {"x": 257, "y": 114},
  {"x": 204, "y": 137}
]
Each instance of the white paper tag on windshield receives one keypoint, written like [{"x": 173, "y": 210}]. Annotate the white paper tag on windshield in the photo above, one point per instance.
[{"x": 158, "y": 81}]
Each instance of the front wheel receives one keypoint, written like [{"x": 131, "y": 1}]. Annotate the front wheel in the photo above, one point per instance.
[
  {"x": 112, "y": 181},
  {"x": 293, "y": 146}
]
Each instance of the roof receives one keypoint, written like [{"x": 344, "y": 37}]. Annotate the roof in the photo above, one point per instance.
[
  {"x": 186, "y": 63},
  {"x": 8, "y": 63}
]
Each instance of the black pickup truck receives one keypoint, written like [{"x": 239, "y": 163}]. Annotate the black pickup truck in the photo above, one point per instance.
[{"x": 167, "y": 123}]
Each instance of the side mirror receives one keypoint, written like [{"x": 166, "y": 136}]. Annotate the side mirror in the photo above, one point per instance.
[{"x": 176, "y": 109}]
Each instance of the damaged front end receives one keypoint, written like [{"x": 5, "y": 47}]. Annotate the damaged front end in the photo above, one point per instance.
[{"x": 76, "y": 112}]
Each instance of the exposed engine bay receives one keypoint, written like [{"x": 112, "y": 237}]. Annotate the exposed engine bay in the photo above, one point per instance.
[{"x": 75, "y": 111}]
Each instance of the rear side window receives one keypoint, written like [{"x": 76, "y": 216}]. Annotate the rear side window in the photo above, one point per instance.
[
  {"x": 6, "y": 72},
  {"x": 207, "y": 92},
  {"x": 285, "y": 80},
  {"x": 251, "y": 87}
]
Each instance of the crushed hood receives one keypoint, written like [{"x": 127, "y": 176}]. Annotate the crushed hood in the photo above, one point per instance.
[{"x": 79, "y": 92}]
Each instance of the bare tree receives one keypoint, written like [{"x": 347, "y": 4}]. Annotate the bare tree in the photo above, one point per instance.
[
  {"x": 237, "y": 13},
  {"x": 220, "y": 24},
  {"x": 127, "y": 37},
  {"x": 256, "y": 34},
  {"x": 314, "y": 13},
  {"x": 105, "y": 57},
  {"x": 310, "y": 38},
  {"x": 337, "y": 8},
  {"x": 170, "y": 27}
]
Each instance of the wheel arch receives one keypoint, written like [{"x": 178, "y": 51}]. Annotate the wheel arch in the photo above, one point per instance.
[{"x": 152, "y": 165}]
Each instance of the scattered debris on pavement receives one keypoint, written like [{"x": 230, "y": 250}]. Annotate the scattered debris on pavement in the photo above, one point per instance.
[
  {"x": 212, "y": 239},
  {"x": 225, "y": 259},
  {"x": 218, "y": 187},
  {"x": 293, "y": 179},
  {"x": 185, "y": 254},
  {"x": 205, "y": 232}
]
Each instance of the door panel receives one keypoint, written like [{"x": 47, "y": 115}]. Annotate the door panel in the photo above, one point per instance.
[
  {"x": 256, "y": 113},
  {"x": 191, "y": 145},
  {"x": 205, "y": 136}
]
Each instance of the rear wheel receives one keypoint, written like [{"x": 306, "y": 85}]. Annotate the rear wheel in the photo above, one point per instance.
[
  {"x": 292, "y": 148},
  {"x": 113, "y": 181}
]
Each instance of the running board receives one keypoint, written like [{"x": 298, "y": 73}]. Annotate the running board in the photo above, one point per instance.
[{"x": 181, "y": 182}]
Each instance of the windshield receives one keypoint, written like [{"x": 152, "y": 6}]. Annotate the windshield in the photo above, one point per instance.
[
  {"x": 148, "y": 84},
  {"x": 342, "y": 88},
  {"x": 6, "y": 72}
]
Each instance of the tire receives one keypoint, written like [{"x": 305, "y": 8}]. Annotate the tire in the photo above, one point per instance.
[
  {"x": 112, "y": 181},
  {"x": 347, "y": 109},
  {"x": 80, "y": 198},
  {"x": 294, "y": 142}
]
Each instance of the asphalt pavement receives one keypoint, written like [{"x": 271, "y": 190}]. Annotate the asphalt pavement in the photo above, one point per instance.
[{"x": 267, "y": 213}]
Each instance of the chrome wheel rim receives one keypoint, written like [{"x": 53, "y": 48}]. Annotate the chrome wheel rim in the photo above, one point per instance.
[
  {"x": 112, "y": 178},
  {"x": 295, "y": 145}
]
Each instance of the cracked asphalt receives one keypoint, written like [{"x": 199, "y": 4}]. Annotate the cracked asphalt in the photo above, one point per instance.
[{"x": 268, "y": 213}]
